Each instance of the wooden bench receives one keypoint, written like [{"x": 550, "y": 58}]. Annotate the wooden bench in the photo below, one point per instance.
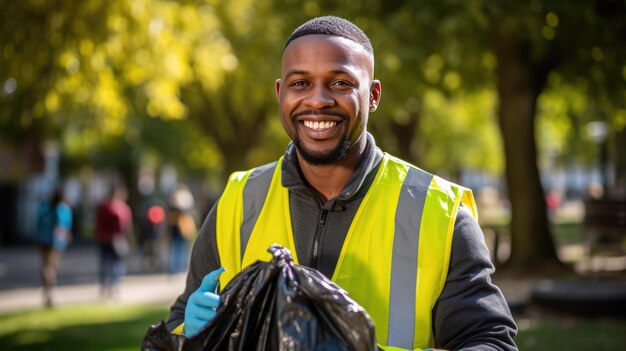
[{"x": 604, "y": 226}]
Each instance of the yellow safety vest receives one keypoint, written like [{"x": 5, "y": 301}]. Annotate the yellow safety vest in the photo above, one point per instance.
[{"x": 395, "y": 257}]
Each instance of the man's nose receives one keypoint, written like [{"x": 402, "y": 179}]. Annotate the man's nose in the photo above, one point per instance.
[{"x": 319, "y": 97}]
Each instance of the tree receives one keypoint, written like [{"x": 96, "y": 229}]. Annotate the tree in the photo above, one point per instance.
[
  {"x": 519, "y": 47},
  {"x": 531, "y": 42},
  {"x": 84, "y": 72},
  {"x": 202, "y": 74},
  {"x": 35, "y": 37}
]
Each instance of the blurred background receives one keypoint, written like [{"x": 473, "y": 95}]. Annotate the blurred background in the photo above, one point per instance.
[{"x": 523, "y": 102}]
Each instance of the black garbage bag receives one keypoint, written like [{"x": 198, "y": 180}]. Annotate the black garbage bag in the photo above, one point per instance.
[
  {"x": 279, "y": 305},
  {"x": 158, "y": 338}
]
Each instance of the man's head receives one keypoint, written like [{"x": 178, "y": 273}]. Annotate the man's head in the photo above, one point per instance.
[
  {"x": 333, "y": 26},
  {"x": 326, "y": 89}
]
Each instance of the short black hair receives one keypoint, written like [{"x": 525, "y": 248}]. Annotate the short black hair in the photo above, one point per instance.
[{"x": 335, "y": 26}]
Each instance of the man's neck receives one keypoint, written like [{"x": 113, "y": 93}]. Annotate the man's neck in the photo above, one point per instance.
[{"x": 329, "y": 180}]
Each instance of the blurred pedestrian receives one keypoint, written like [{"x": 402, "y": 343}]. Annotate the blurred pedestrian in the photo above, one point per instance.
[
  {"x": 182, "y": 228},
  {"x": 54, "y": 225},
  {"x": 151, "y": 226},
  {"x": 113, "y": 230}
]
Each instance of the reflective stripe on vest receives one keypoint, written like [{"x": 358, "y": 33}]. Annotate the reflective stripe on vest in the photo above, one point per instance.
[{"x": 395, "y": 257}]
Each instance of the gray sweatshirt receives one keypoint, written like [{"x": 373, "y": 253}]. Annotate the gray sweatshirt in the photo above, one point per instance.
[{"x": 471, "y": 312}]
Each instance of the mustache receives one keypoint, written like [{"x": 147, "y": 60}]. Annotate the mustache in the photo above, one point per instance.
[{"x": 317, "y": 113}]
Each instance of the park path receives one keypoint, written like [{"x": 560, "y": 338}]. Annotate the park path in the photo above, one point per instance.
[
  {"x": 78, "y": 281},
  {"x": 20, "y": 285}
]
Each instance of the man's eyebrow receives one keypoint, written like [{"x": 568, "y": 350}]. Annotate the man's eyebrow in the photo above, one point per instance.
[
  {"x": 295, "y": 72},
  {"x": 341, "y": 71},
  {"x": 303, "y": 72}
]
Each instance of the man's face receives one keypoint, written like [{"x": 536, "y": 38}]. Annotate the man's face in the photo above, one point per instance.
[{"x": 325, "y": 94}]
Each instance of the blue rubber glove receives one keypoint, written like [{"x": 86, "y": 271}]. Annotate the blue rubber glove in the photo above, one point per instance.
[{"x": 202, "y": 304}]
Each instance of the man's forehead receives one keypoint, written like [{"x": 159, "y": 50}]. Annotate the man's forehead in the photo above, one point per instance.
[
  {"x": 314, "y": 39},
  {"x": 315, "y": 43}
]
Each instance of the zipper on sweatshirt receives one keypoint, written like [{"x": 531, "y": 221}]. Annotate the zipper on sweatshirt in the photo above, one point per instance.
[{"x": 317, "y": 238}]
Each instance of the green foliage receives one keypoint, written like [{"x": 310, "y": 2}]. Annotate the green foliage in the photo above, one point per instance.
[
  {"x": 85, "y": 71},
  {"x": 192, "y": 82},
  {"x": 37, "y": 52},
  {"x": 179, "y": 142},
  {"x": 564, "y": 110},
  {"x": 465, "y": 124},
  {"x": 581, "y": 49},
  {"x": 234, "y": 114}
]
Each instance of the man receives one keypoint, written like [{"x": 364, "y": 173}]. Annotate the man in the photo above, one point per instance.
[{"x": 402, "y": 242}]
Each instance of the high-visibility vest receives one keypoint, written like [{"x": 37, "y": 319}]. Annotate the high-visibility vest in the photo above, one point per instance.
[{"x": 395, "y": 257}]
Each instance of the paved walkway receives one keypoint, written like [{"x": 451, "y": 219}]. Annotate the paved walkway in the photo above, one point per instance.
[{"x": 20, "y": 282}]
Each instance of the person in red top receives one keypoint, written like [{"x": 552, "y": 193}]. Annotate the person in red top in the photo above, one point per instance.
[{"x": 113, "y": 229}]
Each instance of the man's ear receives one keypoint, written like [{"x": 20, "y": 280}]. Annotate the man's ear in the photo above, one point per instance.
[
  {"x": 277, "y": 86},
  {"x": 375, "y": 93}
]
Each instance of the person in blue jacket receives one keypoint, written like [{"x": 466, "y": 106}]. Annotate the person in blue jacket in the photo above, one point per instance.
[{"x": 54, "y": 225}]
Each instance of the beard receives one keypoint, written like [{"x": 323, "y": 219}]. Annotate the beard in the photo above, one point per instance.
[{"x": 319, "y": 158}]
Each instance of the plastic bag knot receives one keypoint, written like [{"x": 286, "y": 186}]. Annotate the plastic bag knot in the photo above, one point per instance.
[{"x": 281, "y": 254}]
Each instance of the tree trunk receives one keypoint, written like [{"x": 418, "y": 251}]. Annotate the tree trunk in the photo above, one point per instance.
[
  {"x": 618, "y": 188},
  {"x": 234, "y": 158},
  {"x": 518, "y": 88}
]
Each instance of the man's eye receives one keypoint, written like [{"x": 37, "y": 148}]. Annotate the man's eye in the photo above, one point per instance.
[
  {"x": 342, "y": 83},
  {"x": 299, "y": 83}
]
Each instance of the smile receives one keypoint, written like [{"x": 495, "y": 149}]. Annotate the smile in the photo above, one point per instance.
[{"x": 319, "y": 125}]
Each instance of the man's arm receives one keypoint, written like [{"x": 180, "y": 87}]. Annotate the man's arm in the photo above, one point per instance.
[
  {"x": 204, "y": 259},
  {"x": 471, "y": 313}
]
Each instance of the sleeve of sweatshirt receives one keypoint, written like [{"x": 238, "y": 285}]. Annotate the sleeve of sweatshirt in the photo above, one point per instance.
[
  {"x": 471, "y": 312},
  {"x": 204, "y": 259}
]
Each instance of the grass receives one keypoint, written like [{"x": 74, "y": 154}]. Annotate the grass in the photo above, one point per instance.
[
  {"x": 571, "y": 334},
  {"x": 106, "y": 327},
  {"x": 96, "y": 328}
]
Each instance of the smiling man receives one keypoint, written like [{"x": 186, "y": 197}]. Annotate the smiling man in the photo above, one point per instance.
[
  {"x": 325, "y": 94},
  {"x": 403, "y": 243}
]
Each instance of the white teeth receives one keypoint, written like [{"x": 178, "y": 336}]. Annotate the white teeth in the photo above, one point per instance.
[{"x": 320, "y": 125}]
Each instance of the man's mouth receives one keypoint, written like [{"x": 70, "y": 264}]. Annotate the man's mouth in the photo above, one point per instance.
[{"x": 319, "y": 125}]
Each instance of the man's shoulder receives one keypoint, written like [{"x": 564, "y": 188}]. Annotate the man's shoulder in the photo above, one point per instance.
[
  {"x": 268, "y": 167},
  {"x": 437, "y": 179},
  {"x": 253, "y": 172},
  {"x": 403, "y": 163}
]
